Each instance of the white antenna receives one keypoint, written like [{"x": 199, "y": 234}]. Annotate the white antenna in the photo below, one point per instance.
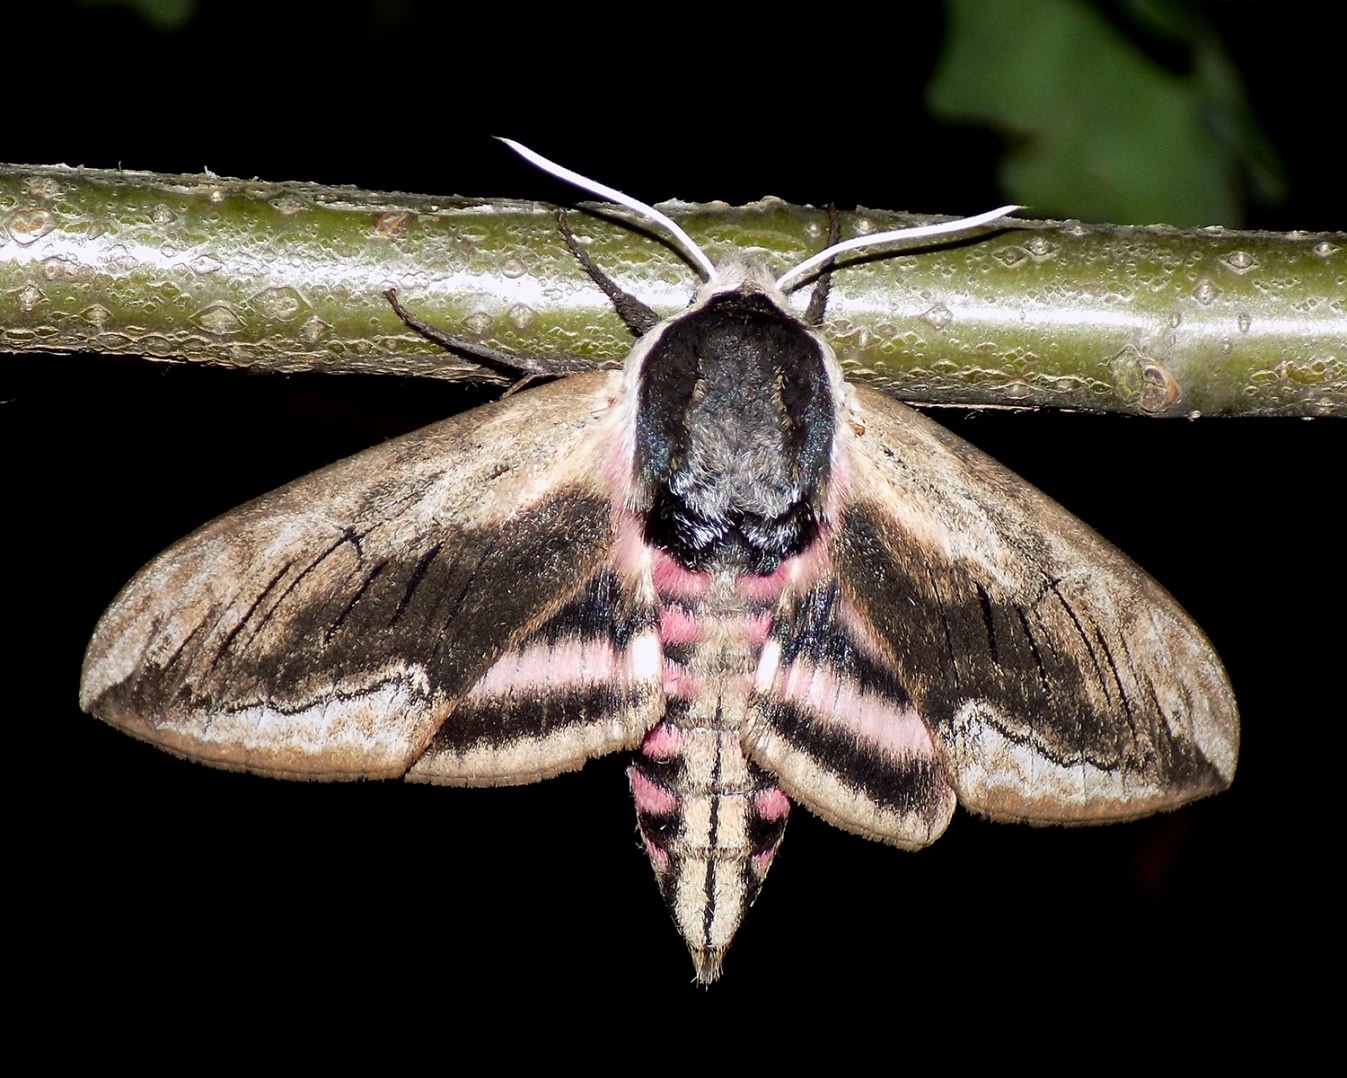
[
  {"x": 791, "y": 277},
  {"x": 613, "y": 195}
]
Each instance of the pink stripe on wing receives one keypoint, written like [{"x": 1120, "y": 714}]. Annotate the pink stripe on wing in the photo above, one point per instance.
[
  {"x": 860, "y": 632},
  {"x": 894, "y": 729},
  {"x": 569, "y": 662},
  {"x": 644, "y": 657}
]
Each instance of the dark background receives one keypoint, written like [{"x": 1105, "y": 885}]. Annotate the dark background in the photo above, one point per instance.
[{"x": 177, "y": 897}]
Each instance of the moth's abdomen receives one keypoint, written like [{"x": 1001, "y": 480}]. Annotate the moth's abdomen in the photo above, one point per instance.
[{"x": 711, "y": 820}]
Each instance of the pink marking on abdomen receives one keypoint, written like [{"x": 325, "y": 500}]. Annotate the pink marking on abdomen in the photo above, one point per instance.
[
  {"x": 762, "y": 589},
  {"x": 676, "y": 624},
  {"x": 771, "y": 803},
  {"x": 892, "y": 728},
  {"x": 678, "y": 682},
  {"x": 664, "y": 742},
  {"x": 763, "y": 861},
  {"x": 760, "y": 628},
  {"x": 674, "y": 581},
  {"x": 650, "y": 797},
  {"x": 800, "y": 571}
]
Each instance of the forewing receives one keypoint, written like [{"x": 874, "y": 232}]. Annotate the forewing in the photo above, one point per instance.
[
  {"x": 326, "y": 630},
  {"x": 1058, "y": 681}
]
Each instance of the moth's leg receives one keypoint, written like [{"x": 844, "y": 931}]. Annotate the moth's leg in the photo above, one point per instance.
[
  {"x": 513, "y": 366},
  {"x": 818, "y": 299},
  {"x": 639, "y": 318}
]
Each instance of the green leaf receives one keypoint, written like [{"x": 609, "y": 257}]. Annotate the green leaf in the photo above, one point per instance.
[
  {"x": 163, "y": 15},
  {"x": 1098, "y": 130}
]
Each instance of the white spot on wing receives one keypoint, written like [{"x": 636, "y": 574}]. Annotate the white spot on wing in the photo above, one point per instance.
[
  {"x": 768, "y": 665},
  {"x": 645, "y": 657}
]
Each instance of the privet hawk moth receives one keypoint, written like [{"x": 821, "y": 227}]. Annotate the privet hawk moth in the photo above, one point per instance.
[{"x": 772, "y": 585}]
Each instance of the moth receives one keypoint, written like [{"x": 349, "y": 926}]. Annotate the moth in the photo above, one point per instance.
[{"x": 773, "y": 586}]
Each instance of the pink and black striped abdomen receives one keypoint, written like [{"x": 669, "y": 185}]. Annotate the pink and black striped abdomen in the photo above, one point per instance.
[{"x": 710, "y": 818}]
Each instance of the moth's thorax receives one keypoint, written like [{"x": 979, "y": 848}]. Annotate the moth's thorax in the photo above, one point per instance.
[{"x": 734, "y": 432}]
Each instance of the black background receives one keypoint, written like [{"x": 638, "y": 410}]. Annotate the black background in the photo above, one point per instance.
[{"x": 178, "y": 898}]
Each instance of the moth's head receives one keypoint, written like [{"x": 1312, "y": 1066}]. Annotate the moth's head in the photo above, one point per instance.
[{"x": 743, "y": 271}]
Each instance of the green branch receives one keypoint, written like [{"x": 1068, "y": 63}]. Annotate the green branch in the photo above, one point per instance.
[{"x": 289, "y": 276}]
